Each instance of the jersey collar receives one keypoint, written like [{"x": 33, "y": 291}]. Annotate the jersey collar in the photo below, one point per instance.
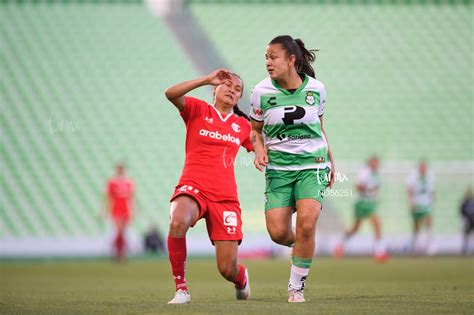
[
  {"x": 220, "y": 115},
  {"x": 298, "y": 90}
]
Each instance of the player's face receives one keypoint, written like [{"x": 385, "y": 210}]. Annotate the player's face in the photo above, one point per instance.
[
  {"x": 374, "y": 164},
  {"x": 120, "y": 170},
  {"x": 278, "y": 62},
  {"x": 422, "y": 168},
  {"x": 229, "y": 92}
]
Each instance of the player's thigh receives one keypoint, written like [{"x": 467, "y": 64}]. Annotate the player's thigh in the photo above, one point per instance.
[
  {"x": 278, "y": 220},
  {"x": 279, "y": 189},
  {"x": 224, "y": 221},
  {"x": 311, "y": 184},
  {"x": 184, "y": 209},
  {"x": 429, "y": 220},
  {"x": 416, "y": 223},
  {"x": 307, "y": 213}
]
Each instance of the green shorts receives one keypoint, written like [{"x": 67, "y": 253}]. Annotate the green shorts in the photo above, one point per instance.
[
  {"x": 364, "y": 208},
  {"x": 283, "y": 188},
  {"x": 421, "y": 212}
]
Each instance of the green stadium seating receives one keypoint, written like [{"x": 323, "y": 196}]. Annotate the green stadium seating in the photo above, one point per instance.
[{"x": 83, "y": 89}]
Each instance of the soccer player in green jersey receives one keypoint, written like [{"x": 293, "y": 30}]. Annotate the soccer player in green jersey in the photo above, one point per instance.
[
  {"x": 290, "y": 142},
  {"x": 420, "y": 191},
  {"x": 368, "y": 185}
]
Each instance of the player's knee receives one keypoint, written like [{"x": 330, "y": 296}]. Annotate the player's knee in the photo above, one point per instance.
[
  {"x": 178, "y": 227},
  {"x": 280, "y": 236},
  {"x": 305, "y": 231}
]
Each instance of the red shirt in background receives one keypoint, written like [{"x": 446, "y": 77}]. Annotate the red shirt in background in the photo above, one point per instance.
[{"x": 120, "y": 191}]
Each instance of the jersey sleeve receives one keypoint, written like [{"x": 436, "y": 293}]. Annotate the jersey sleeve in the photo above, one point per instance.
[
  {"x": 322, "y": 101},
  {"x": 255, "y": 106},
  {"x": 362, "y": 177},
  {"x": 192, "y": 109},
  {"x": 247, "y": 144}
]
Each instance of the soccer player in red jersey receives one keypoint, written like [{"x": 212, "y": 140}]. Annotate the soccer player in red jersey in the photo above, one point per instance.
[
  {"x": 120, "y": 197},
  {"x": 207, "y": 187}
]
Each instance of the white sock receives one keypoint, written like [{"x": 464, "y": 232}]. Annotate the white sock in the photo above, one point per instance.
[
  {"x": 297, "y": 278},
  {"x": 379, "y": 248}
]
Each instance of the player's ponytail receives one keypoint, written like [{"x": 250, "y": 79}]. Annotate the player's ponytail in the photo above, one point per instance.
[
  {"x": 304, "y": 57},
  {"x": 238, "y": 112},
  {"x": 307, "y": 58}
]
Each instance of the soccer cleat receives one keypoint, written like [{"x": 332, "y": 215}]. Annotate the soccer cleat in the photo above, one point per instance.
[
  {"x": 296, "y": 296},
  {"x": 338, "y": 251},
  {"x": 181, "y": 297},
  {"x": 383, "y": 257},
  {"x": 244, "y": 293}
]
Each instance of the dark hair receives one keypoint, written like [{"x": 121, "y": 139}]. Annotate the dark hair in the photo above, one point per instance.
[
  {"x": 237, "y": 110},
  {"x": 304, "y": 57}
]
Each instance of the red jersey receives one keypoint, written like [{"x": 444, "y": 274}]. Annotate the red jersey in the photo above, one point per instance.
[
  {"x": 212, "y": 143},
  {"x": 120, "y": 190}
]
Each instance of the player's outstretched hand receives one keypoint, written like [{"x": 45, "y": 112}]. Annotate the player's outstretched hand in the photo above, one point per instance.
[
  {"x": 261, "y": 160},
  {"x": 219, "y": 76}
]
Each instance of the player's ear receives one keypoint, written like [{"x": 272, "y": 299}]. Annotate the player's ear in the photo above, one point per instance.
[
  {"x": 292, "y": 61},
  {"x": 214, "y": 93}
]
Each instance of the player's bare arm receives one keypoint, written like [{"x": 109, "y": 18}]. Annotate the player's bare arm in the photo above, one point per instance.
[
  {"x": 333, "y": 168},
  {"x": 261, "y": 157},
  {"x": 175, "y": 94}
]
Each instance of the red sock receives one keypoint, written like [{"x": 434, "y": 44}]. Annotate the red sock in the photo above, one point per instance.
[
  {"x": 120, "y": 245},
  {"x": 240, "y": 279},
  {"x": 177, "y": 255}
]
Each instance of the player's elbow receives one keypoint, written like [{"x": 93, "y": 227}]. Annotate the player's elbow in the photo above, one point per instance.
[{"x": 168, "y": 94}]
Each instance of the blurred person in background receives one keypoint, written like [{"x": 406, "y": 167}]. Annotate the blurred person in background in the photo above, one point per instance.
[
  {"x": 368, "y": 186},
  {"x": 420, "y": 192},
  {"x": 291, "y": 143},
  {"x": 119, "y": 203},
  {"x": 467, "y": 214},
  {"x": 207, "y": 187},
  {"x": 153, "y": 242}
]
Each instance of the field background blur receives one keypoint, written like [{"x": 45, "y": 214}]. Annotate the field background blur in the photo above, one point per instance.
[{"x": 83, "y": 87}]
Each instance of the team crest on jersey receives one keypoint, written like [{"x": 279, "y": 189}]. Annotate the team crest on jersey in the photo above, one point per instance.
[
  {"x": 310, "y": 98},
  {"x": 257, "y": 111},
  {"x": 208, "y": 119},
  {"x": 235, "y": 127}
]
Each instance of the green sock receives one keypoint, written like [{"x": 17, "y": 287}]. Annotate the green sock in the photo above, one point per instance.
[{"x": 301, "y": 262}]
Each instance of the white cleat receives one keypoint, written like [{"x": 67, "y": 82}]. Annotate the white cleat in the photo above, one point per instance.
[
  {"x": 244, "y": 293},
  {"x": 296, "y": 296},
  {"x": 181, "y": 297}
]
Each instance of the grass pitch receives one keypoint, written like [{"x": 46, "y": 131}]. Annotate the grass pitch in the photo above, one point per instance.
[{"x": 350, "y": 286}]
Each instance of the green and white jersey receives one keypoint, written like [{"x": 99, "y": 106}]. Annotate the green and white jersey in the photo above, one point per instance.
[
  {"x": 292, "y": 128},
  {"x": 371, "y": 182},
  {"x": 422, "y": 189}
]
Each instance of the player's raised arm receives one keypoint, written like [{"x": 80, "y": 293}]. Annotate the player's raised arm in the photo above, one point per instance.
[{"x": 175, "y": 94}]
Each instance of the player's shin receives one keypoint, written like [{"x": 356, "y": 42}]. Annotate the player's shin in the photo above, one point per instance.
[{"x": 177, "y": 257}]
